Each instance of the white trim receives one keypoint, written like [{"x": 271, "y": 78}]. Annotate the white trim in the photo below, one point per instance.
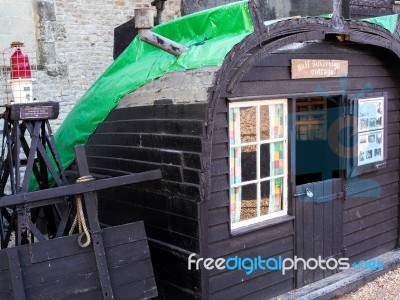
[
  {"x": 258, "y": 180},
  {"x": 256, "y": 220},
  {"x": 257, "y": 104},
  {"x": 262, "y": 142}
]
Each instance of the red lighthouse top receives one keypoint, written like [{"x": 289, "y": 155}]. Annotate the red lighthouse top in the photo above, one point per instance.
[{"x": 20, "y": 68}]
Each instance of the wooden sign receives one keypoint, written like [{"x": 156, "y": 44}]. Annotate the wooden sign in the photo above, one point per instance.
[
  {"x": 36, "y": 112},
  {"x": 319, "y": 68}
]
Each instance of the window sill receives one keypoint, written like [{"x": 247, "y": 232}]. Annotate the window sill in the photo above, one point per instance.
[{"x": 261, "y": 225}]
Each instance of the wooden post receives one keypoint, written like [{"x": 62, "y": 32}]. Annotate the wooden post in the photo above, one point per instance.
[
  {"x": 95, "y": 230},
  {"x": 337, "y": 20},
  {"x": 346, "y": 9}
]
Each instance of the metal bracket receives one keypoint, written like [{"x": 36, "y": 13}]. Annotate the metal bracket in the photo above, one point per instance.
[
  {"x": 379, "y": 166},
  {"x": 307, "y": 193},
  {"x": 344, "y": 193}
]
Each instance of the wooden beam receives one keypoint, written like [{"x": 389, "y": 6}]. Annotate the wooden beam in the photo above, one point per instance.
[
  {"x": 337, "y": 20},
  {"x": 78, "y": 188}
]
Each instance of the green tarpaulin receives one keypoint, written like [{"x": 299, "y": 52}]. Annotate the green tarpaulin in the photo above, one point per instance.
[
  {"x": 388, "y": 22},
  {"x": 219, "y": 28}
]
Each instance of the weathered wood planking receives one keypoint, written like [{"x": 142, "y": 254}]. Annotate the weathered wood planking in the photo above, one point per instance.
[
  {"x": 165, "y": 137},
  {"x": 60, "y": 269}
]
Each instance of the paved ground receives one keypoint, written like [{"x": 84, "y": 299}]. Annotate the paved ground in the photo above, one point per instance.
[{"x": 386, "y": 287}]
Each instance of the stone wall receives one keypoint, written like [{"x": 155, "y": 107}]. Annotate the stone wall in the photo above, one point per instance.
[{"x": 72, "y": 41}]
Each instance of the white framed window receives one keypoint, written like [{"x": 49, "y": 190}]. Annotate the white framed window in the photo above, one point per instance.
[{"x": 258, "y": 161}]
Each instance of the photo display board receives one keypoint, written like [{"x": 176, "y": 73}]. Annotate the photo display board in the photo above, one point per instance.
[{"x": 370, "y": 131}]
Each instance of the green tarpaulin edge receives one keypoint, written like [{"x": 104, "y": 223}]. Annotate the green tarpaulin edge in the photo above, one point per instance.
[
  {"x": 209, "y": 35},
  {"x": 388, "y": 22}
]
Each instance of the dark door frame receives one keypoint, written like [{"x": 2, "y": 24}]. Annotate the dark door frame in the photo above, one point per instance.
[{"x": 326, "y": 214}]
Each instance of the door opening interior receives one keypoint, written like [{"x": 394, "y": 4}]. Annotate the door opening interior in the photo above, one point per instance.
[
  {"x": 318, "y": 191},
  {"x": 317, "y": 158}
]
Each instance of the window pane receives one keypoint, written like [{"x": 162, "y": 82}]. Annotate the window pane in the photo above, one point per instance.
[
  {"x": 249, "y": 163},
  {"x": 277, "y": 159},
  {"x": 271, "y": 196},
  {"x": 235, "y": 165},
  {"x": 265, "y": 185},
  {"x": 264, "y": 122},
  {"x": 271, "y": 159},
  {"x": 234, "y": 126},
  {"x": 236, "y": 203},
  {"x": 265, "y": 159},
  {"x": 249, "y": 202},
  {"x": 271, "y": 121},
  {"x": 248, "y": 124},
  {"x": 259, "y": 124}
]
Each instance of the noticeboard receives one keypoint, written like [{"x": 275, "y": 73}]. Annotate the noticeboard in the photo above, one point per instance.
[{"x": 370, "y": 131}]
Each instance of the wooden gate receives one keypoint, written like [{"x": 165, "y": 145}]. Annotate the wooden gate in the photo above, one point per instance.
[
  {"x": 319, "y": 226},
  {"x": 60, "y": 269}
]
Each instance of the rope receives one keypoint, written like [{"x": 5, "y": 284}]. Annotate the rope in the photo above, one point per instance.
[{"x": 80, "y": 216}]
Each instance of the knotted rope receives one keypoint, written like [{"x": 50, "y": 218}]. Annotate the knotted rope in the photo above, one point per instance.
[{"x": 80, "y": 216}]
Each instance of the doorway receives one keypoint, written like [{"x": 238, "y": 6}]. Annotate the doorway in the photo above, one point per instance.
[{"x": 318, "y": 183}]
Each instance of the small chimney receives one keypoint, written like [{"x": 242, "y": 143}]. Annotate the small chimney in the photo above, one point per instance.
[{"x": 337, "y": 16}]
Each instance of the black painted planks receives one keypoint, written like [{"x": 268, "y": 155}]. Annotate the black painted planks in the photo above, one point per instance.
[
  {"x": 178, "y": 111},
  {"x": 60, "y": 269}
]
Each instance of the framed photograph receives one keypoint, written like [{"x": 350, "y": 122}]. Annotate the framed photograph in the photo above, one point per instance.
[
  {"x": 370, "y": 147},
  {"x": 370, "y": 114},
  {"x": 370, "y": 132}
]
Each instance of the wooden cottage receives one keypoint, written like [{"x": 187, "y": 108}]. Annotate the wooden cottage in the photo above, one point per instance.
[{"x": 288, "y": 148}]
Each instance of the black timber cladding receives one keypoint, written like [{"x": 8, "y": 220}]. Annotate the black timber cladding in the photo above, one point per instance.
[
  {"x": 370, "y": 225},
  {"x": 169, "y": 138}
]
